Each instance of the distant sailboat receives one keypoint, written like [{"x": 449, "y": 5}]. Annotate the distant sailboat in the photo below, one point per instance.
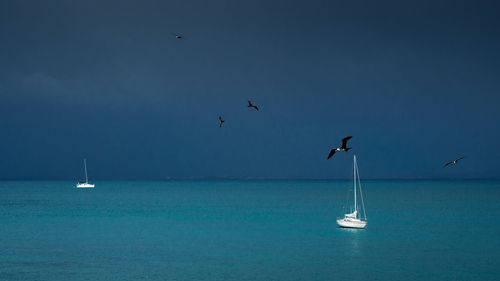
[
  {"x": 85, "y": 184},
  {"x": 352, "y": 220}
]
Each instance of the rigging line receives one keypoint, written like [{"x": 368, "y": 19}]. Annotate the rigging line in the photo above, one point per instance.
[{"x": 361, "y": 193}]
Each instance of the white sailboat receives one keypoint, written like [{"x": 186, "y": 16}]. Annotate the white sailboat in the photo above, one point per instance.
[
  {"x": 352, "y": 220},
  {"x": 85, "y": 184}
]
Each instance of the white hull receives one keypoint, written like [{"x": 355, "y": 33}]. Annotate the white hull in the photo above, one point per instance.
[
  {"x": 84, "y": 185},
  {"x": 351, "y": 223}
]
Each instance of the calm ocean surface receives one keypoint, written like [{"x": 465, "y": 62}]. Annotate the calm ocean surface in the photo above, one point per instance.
[{"x": 249, "y": 230}]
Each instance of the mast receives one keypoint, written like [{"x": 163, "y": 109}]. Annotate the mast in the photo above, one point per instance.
[
  {"x": 360, "y": 192},
  {"x": 85, "y": 164},
  {"x": 354, "y": 168}
]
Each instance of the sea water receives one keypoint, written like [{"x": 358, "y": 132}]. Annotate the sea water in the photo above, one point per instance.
[{"x": 249, "y": 230}]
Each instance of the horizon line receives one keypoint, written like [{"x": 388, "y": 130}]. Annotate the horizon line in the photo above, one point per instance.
[{"x": 262, "y": 179}]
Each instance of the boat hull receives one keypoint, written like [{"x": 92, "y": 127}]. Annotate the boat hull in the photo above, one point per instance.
[
  {"x": 84, "y": 185},
  {"x": 346, "y": 223}
]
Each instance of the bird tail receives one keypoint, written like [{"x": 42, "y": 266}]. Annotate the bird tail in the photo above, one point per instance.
[{"x": 348, "y": 148}]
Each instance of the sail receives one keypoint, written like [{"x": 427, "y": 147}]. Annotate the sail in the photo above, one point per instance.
[{"x": 352, "y": 215}]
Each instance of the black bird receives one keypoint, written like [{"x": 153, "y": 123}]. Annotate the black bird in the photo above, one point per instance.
[
  {"x": 454, "y": 161},
  {"x": 342, "y": 148},
  {"x": 250, "y": 104},
  {"x": 178, "y": 36},
  {"x": 221, "y": 121}
]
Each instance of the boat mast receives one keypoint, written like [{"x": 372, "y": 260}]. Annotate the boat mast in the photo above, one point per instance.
[
  {"x": 85, "y": 164},
  {"x": 360, "y": 191},
  {"x": 354, "y": 169}
]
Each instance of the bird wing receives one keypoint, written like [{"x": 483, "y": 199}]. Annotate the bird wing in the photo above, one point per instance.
[
  {"x": 220, "y": 118},
  {"x": 344, "y": 141},
  {"x": 331, "y": 153},
  {"x": 256, "y": 107},
  {"x": 460, "y": 158},
  {"x": 447, "y": 164}
]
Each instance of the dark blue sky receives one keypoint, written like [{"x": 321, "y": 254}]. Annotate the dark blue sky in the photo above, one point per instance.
[{"x": 416, "y": 84}]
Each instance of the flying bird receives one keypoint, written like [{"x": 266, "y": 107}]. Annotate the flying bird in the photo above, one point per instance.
[
  {"x": 342, "y": 148},
  {"x": 178, "y": 36},
  {"x": 250, "y": 104},
  {"x": 221, "y": 121},
  {"x": 454, "y": 161}
]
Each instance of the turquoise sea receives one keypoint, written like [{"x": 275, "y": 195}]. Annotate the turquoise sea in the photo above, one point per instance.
[{"x": 249, "y": 230}]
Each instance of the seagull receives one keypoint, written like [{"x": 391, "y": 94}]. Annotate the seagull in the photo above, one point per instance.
[
  {"x": 250, "y": 104},
  {"x": 221, "y": 121},
  {"x": 178, "y": 36},
  {"x": 342, "y": 148},
  {"x": 454, "y": 161}
]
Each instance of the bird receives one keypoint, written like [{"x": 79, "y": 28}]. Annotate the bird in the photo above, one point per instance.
[
  {"x": 221, "y": 121},
  {"x": 178, "y": 36},
  {"x": 250, "y": 104},
  {"x": 454, "y": 161},
  {"x": 342, "y": 148}
]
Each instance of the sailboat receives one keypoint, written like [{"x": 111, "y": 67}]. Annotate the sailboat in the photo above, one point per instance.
[
  {"x": 85, "y": 184},
  {"x": 353, "y": 220}
]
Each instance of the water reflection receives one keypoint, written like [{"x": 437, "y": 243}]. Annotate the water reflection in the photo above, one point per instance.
[{"x": 353, "y": 240}]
